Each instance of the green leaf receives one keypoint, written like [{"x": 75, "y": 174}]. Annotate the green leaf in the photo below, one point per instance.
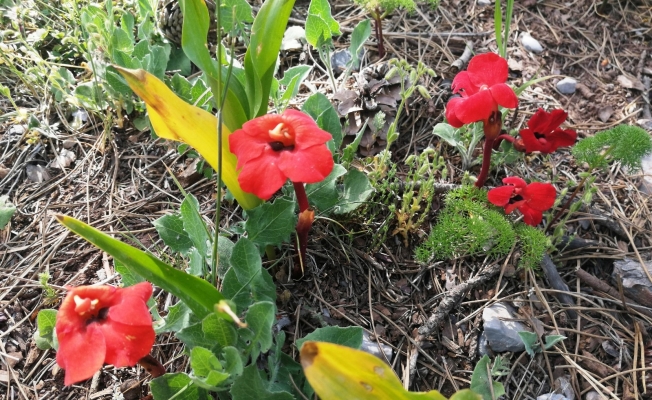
[
  {"x": 235, "y": 12},
  {"x": 317, "y": 30},
  {"x": 266, "y": 36},
  {"x": 117, "y": 82},
  {"x": 196, "y": 263},
  {"x": 194, "y": 226},
  {"x": 271, "y": 223},
  {"x": 120, "y": 41},
  {"x": 349, "y": 151},
  {"x": 198, "y": 294},
  {"x": 292, "y": 80},
  {"x": 350, "y": 336},
  {"x": 531, "y": 342},
  {"x": 359, "y": 36},
  {"x": 194, "y": 336},
  {"x": 232, "y": 361},
  {"x": 481, "y": 381},
  {"x": 129, "y": 278},
  {"x": 449, "y": 134},
  {"x": 322, "y": 111},
  {"x": 219, "y": 330},
  {"x": 178, "y": 387},
  {"x": 322, "y": 8},
  {"x": 250, "y": 385},
  {"x": 194, "y": 35},
  {"x": 552, "y": 340},
  {"x": 324, "y": 194},
  {"x": 224, "y": 251},
  {"x": 179, "y": 317},
  {"x": 7, "y": 210},
  {"x": 170, "y": 228},
  {"x": 356, "y": 190},
  {"x": 260, "y": 318},
  {"x": 46, "y": 321},
  {"x": 203, "y": 361}
]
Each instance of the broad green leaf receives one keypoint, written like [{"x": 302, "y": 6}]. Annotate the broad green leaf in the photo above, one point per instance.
[
  {"x": 232, "y": 361},
  {"x": 322, "y": 111},
  {"x": 449, "y": 134},
  {"x": 194, "y": 35},
  {"x": 7, "y": 210},
  {"x": 271, "y": 223},
  {"x": 196, "y": 263},
  {"x": 203, "y": 361},
  {"x": 324, "y": 194},
  {"x": 317, "y": 30},
  {"x": 552, "y": 340},
  {"x": 260, "y": 318},
  {"x": 174, "y": 119},
  {"x": 359, "y": 36},
  {"x": 356, "y": 190},
  {"x": 179, "y": 317},
  {"x": 531, "y": 342},
  {"x": 194, "y": 336},
  {"x": 194, "y": 225},
  {"x": 224, "y": 251},
  {"x": 292, "y": 80},
  {"x": 350, "y": 336},
  {"x": 251, "y": 386},
  {"x": 266, "y": 36},
  {"x": 129, "y": 278},
  {"x": 170, "y": 228},
  {"x": 340, "y": 372},
  {"x": 46, "y": 321},
  {"x": 120, "y": 41},
  {"x": 219, "y": 330},
  {"x": 117, "y": 82},
  {"x": 482, "y": 382},
  {"x": 322, "y": 8},
  {"x": 178, "y": 387},
  {"x": 235, "y": 12},
  {"x": 198, "y": 294}
]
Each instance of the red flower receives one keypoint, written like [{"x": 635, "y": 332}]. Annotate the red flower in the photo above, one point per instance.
[
  {"x": 544, "y": 134},
  {"x": 482, "y": 87},
  {"x": 277, "y": 147},
  {"x": 103, "y": 324},
  {"x": 531, "y": 200}
]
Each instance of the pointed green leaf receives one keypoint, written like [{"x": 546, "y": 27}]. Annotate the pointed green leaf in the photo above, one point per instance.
[
  {"x": 356, "y": 190},
  {"x": 260, "y": 318},
  {"x": 324, "y": 195},
  {"x": 322, "y": 8},
  {"x": 170, "y": 228},
  {"x": 322, "y": 111},
  {"x": 219, "y": 330},
  {"x": 199, "y": 295},
  {"x": 178, "y": 387},
  {"x": 359, "y": 36},
  {"x": 7, "y": 210},
  {"x": 195, "y": 226},
  {"x": 482, "y": 382},
  {"x": 251, "y": 386},
  {"x": 271, "y": 223}
]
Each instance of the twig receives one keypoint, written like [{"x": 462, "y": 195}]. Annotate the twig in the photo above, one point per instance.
[
  {"x": 599, "y": 284},
  {"x": 550, "y": 270},
  {"x": 464, "y": 58},
  {"x": 453, "y": 297}
]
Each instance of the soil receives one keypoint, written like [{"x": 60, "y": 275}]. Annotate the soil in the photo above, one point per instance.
[{"x": 119, "y": 183}]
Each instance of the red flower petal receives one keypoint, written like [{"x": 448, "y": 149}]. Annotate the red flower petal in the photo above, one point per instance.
[
  {"x": 262, "y": 176},
  {"x": 513, "y": 206},
  {"x": 562, "y": 138},
  {"x": 463, "y": 84},
  {"x": 544, "y": 122},
  {"x": 258, "y": 128},
  {"x": 500, "y": 196},
  {"x": 126, "y": 344},
  {"x": 515, "y": 181},
  {"x": 451, "y": 109},
  {"x": 246, "y": 147},
  {"x": 540, "y": 196},
  {"x": 477, "y": 107},
  {"x": 530, "y": 215},
  {"x": 309, "y": 165},
  {"x": 132, "y": 308},
  {"x": 81, "y": 352},
  {"x": 504, "y": 95},
  {"x": 531, "y": 143},
  {"x": 488, "y": 69},
  {"x": 307, "y": 132}
]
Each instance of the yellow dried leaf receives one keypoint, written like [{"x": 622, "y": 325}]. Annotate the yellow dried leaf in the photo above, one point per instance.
[{"x": 174, "y": 119}]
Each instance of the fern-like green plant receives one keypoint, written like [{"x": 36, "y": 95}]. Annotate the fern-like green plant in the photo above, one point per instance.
[{"x": 469, "y": 226}]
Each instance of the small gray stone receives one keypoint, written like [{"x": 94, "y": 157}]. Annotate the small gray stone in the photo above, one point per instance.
[
  {"x": 484, "y": 2},
  {"x": 593, "y": 395},
  {"x": 567, "y": 85},
  {"x": 501, "y": 330},
  {"x": 293, "y": 39},
  {"x": 552, "y": 396},
  {"x": 482, "y": 345},
  {"x": 530, "y": 43},
  {"x": 371, "y": 347}
]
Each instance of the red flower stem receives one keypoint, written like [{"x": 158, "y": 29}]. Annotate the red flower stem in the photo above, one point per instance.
[
  {"x": 486, "y": 161},
  {"x": 377, "y": 16},
  {"x": 152, "y": 366},
  {"x": 302, "y": 198},
  {"x": 502, "y": 137}
]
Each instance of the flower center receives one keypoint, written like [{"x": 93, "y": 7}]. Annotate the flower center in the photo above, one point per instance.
[
  {"x": 540, "y": 137},
  {"x": 282, "y": 137},
  {"x": 88, "y": 308},
  {"x": 484, "y": 87}
]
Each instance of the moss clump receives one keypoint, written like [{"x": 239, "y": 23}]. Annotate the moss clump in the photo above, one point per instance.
[
  {"x": 624, "y": 143},
  {"x": 467, "y": 226}
]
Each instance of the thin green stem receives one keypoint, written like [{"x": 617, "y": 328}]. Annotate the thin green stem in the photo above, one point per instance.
[{"x": 220, "y": 103}]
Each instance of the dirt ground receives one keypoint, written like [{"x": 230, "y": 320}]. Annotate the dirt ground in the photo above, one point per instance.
[{"x": 119, "y": 184}]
